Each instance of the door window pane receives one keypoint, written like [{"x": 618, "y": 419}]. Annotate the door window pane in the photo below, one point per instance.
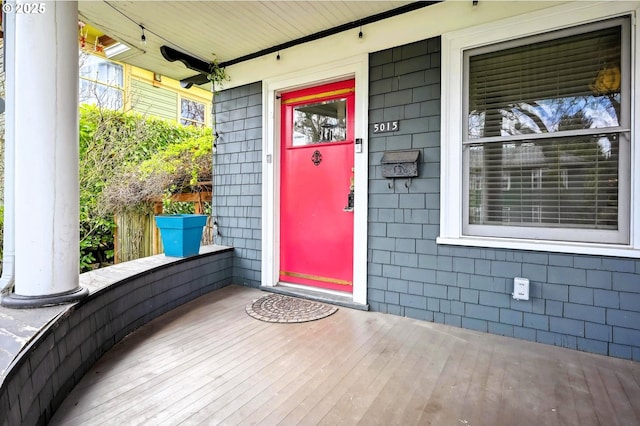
[{"x": 320, "y": 122}]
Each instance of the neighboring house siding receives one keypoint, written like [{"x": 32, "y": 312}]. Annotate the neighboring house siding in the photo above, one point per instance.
[
  {"x": 588, "y": 303},
  {"x": 238, "y": 178},
  {"x": 153, "y": 101}
]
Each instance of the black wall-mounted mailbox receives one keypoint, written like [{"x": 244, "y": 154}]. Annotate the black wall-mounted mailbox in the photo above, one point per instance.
[{"x": 400, "y": 164}]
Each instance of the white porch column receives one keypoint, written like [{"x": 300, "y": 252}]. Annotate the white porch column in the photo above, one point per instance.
[{"x": 45, "y": 72}]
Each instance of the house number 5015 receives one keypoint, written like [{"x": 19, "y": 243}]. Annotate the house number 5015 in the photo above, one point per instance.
[{"x": 387, "y": 126}]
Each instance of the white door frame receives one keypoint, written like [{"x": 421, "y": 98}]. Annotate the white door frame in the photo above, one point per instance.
[{"x": 358, "y": 68}]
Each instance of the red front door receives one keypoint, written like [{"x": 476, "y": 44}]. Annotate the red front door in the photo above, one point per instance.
[{"x": 316, "y": 216}]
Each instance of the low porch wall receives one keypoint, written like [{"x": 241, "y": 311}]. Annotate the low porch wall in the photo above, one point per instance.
[{"x": 123, "y": 298}]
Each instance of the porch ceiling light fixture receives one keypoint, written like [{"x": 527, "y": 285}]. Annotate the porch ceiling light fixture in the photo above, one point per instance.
[
  {"x": 115, "y": 49},
  {"x": 143, "y": 38}
]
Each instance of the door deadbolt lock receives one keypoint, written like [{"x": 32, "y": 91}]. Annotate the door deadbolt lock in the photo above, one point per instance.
[{"x": 349, "y": 207}]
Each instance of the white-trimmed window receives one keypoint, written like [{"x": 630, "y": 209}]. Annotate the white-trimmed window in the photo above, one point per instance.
[
  {"x": 101, "y": 82},
  {"x": 543, "y": 132},
  {"x": 192, "y": 113}
]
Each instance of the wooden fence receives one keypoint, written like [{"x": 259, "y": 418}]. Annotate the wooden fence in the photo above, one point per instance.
[{"x": 137, "y": 236}]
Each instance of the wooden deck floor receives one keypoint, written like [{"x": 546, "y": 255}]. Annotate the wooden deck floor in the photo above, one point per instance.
[{"x": 208, "y": 362}]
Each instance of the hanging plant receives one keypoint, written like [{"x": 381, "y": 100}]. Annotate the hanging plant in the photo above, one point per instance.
[{"x": 217, "y": 75}]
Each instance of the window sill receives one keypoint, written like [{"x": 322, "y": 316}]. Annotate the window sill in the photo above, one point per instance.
[{"x": 543, "y": 245}]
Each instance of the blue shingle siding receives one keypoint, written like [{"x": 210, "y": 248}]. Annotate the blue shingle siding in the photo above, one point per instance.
[
  {"x": 588, "y": 303},
  {"x": 238, "y": 178}
]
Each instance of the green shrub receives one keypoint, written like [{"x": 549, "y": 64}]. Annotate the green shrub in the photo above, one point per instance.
[
  {"x": 178, "y": 167},
  {"x": 112, "y": 146}
]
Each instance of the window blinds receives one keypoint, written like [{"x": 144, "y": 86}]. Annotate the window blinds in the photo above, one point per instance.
[{"x": 542, "y": 144}]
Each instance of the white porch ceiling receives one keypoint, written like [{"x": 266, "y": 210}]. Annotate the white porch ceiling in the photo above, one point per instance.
[{"x": 226, "y": 30}]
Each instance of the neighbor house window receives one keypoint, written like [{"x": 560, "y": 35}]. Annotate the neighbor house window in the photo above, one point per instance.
[
  {"x": 546, "y": 136},
  {"x": 101, "y": 82},
  {"x": 192, "y": 113}
]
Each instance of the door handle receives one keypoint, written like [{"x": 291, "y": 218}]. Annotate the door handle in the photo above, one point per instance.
[
  {"x": 350, "y": 197},
  {"x": 349, "y": 207}
]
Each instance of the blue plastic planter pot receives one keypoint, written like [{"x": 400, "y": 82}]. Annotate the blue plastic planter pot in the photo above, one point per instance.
[{"x": 181, "y": 233}]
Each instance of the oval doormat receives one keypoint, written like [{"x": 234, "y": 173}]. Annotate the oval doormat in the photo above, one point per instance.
[{"x": 286, "y": 309}]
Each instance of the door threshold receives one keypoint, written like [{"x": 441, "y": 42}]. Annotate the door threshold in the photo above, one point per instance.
[{"x": 318, "y": 296}]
